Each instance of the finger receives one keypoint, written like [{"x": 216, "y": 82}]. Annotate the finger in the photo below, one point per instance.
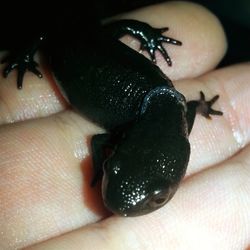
[
  {"x": 204, "y": 44},
  {"x": 49, "y": 154},
  {"x": 215, "y": 140},
  {"x": 203, "y": 38},
  {"x": 210, "y": 211},
  {"x": 45, "y": 176}
]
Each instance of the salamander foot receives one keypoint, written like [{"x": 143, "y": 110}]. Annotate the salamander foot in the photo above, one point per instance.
[
  {"x": 153, "y": 41},
  {"x": 205, "y": 107},
  {"x": 22, "y": 63}
]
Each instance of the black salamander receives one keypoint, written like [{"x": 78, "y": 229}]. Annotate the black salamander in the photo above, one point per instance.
[{"x": 147, "y": 120}]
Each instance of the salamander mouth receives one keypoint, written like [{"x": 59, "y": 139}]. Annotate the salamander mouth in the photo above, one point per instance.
[
  {"x": 139, "y": 210},
  {"x": 152, "y": 202}
]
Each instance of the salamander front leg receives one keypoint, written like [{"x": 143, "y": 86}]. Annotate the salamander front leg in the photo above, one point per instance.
[
  {"x": 202, "y": 107},
  {"x": 151, "y": 38},
  {"x": 98, "y": 144}
]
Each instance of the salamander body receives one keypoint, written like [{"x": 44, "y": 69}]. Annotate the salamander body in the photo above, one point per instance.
[{"x": 147, "y": 121}]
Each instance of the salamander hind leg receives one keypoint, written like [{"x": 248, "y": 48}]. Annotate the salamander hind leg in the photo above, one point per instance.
[
  {"x": 151, "y": 39},
  {"x": 154, "y": 42},
  {"x": 22, "y": 60}
]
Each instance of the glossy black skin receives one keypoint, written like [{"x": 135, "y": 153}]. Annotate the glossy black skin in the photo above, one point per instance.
[{"x": 146, "y": 119}]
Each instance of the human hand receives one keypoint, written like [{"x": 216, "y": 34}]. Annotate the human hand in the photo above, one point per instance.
[{"x": 45, "y": 163}]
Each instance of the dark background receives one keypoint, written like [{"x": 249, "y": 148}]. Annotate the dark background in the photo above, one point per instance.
[{"x": 234, "y": 16}]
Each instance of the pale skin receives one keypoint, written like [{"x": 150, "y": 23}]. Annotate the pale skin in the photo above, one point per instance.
[{"x": 45, "y": 198}]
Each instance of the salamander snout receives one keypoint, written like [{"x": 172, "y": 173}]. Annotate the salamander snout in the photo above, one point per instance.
[
  {"x": 138, "y": 180},
  {"x": 134, "y": 197}
]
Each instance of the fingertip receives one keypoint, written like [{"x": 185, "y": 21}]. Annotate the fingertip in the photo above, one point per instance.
[
  {"x": 203, "y": 39},
  {"x": 201, "y": 35}
]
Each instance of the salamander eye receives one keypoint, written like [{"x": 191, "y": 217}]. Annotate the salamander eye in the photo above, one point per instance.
[{"x": 158, "y": 199}]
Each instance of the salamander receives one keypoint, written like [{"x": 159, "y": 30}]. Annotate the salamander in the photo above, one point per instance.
[{"x": 143, "y": 155}]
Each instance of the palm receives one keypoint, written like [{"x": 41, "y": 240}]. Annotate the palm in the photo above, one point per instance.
[{"x": 44, "y": 177}]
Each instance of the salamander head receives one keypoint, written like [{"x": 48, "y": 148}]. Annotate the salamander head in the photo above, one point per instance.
[{"x": 141, "y": 177}]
